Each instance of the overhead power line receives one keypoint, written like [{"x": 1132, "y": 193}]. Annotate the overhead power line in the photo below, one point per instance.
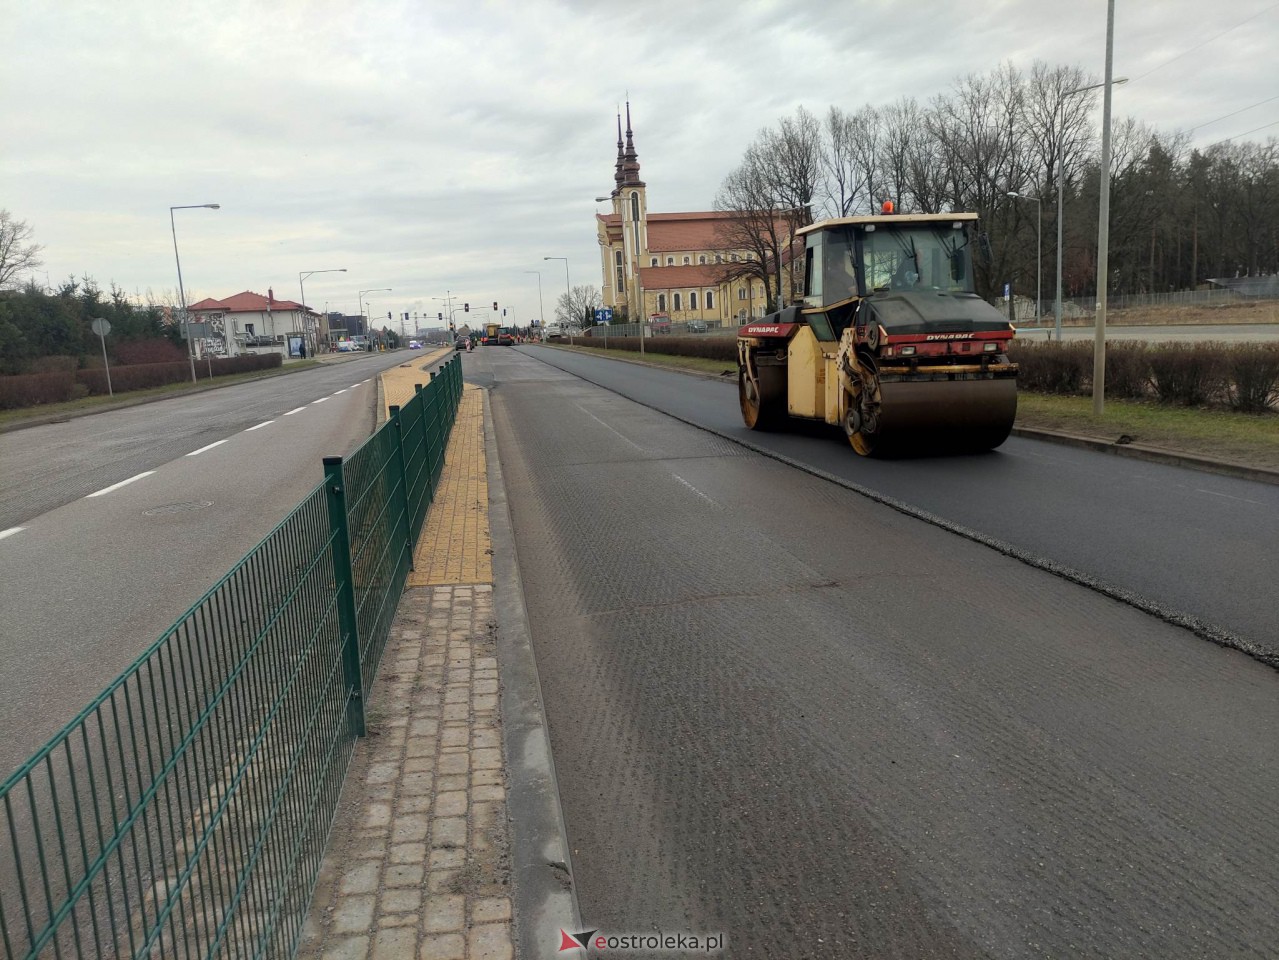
[
  {"x": 1206, "y": 42},
  {"x": 1209, "y": 123},
  {"x": 1244, "y": 134}
]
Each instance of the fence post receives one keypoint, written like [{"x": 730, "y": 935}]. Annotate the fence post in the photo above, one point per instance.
[
  {"x": 404, "y": 482},
  {"x": 348, "y": 626}
]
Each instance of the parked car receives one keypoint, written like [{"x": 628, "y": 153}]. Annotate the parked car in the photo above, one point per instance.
[{"x": 697, "y": 326}]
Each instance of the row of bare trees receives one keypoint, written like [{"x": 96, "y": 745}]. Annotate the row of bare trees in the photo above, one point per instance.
[{"x": 1179, "y": 216}]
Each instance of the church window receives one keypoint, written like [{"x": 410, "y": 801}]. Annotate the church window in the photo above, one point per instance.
[
  {"x": 702, "y": 258},
  {"x": 634, "y": 205},
  {"x": 741, "y": 293},
  {"x": 670, "y": 261},
  {"x": 687, "y": 261},
  {"x": 661, "y": 303},
  {"x": 652, "y": 261},
  {"x": 675, "y": 300},
  {"x": 710, "y": 300},
  {"x": 692, "y": 299}
]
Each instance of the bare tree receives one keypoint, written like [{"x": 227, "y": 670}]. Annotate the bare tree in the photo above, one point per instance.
[
  {"x": 17, "y": 254},
  {"x": 571, "y": 308}
]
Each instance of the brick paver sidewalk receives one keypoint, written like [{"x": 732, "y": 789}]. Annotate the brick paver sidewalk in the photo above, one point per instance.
[{"x": 419, "y": 862}]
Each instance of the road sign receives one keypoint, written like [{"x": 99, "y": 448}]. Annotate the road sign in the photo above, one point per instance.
[
  {"x": 101, "y": 326},
  {"x": 604, "y": 315}
]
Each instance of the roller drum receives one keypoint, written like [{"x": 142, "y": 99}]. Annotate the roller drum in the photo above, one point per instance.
[{"x": 926, "y": 416}]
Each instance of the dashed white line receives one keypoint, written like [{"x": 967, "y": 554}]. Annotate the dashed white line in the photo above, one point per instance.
[
  {"x": 343, "y": 390},
  {"x": 693, "y": 488},
  {"x": 215, "y": 443},
  {"x": 1214, "y": 493},
  {"x": 264, "y": 423},
  {"x": 10, "y": 532},
  {"x": 122, "y": 483},
  {"x": 295, "y": 410},
  {"x": 321, "y": 400}
]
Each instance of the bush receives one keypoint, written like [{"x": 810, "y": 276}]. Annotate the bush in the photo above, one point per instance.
[
  {"x": 1052, "y": 367},
  {"x": 711, "y": 348},
  {"x": 30, "y": 389},
  {"x": 1128, "y": 370},
  {"x": 55, "y": 364},
  {"x": 1189, "y": 374},
  {"x": 140, "y": 376},
  {"x": 1252, "y": 372},
  {"x": 147, "y": 351}
]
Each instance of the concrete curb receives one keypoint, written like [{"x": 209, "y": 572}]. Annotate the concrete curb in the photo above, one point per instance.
[
  {"x": 1137, "y": 451},
  {"x": 545, "y": 898}
]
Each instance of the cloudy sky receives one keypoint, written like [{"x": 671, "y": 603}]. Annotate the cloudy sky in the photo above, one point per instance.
[{"x": 448, "y": 147}]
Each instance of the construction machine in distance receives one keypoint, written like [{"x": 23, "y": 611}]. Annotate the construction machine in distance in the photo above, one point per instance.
[{"x": 889, "y": 341}]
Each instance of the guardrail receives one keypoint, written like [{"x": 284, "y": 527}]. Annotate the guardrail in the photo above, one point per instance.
[{"x": 185, "y": 811}]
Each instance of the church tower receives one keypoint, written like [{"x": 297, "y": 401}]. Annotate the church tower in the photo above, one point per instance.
[{"x": 630, "y": 202}]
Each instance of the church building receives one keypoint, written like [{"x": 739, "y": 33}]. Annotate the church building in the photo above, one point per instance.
[{"x": 663, "y": 266}]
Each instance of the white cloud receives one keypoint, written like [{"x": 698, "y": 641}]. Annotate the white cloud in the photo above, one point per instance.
[{"x": 445, "y": 146}]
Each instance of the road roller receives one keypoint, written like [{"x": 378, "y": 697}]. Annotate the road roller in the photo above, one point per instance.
[{"x": 889, "y": 341}]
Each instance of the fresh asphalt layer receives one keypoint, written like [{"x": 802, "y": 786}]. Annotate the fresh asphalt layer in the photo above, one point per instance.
[
  {"x": 1196, "y": 548},
  {"x": 786, "y": 712}
]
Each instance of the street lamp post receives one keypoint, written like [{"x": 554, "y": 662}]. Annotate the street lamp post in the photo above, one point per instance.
[
  {"x": 1103, "y": 229},
  {"x": 541, "y": 310},
  {"x": 302, "y": 275},
  {"x": 369, "y": 325},
  {"x": 1061, "y": 184},
  {"x": 182, "y": 297},
  {"x": 568, "y": 302},
  {"x": 1039, "y": 250}
]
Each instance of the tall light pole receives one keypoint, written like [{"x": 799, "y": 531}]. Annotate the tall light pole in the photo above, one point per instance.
[
  {"x": 302, "y": 275},
  {"x": 1039, "y": 249},
  {"x": 368, "y": 329},
  {"x": 182, "y": 297},
  {"x": 1103, "y": 229},
  {"x": 1061, "y": 184},
  {"x": 568, "y": 291},
  {"x": 541, "y": 310}
]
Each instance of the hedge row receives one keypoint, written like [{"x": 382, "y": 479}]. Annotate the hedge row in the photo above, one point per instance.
[
  {"x": 1243, "y": 377},
  {"x": 28, "y": 390}
]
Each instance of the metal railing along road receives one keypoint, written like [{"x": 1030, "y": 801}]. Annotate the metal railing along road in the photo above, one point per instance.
[{"x": 185, "y": 811}]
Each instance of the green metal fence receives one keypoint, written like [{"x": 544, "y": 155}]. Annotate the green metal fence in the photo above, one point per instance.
[{"x": 185, "y": 811}]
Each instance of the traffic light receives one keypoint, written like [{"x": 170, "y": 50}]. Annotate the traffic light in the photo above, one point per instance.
[
  {"x": 466, "y": 308},
  {"x": 388, "y": 314},
  {"x": 440, "y": 315},
  {"x": 494, "y": 304}
]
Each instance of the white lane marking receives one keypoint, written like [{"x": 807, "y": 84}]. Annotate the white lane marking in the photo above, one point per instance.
[
  {"x": 215, "y": 443},
  {"x": 295, "y": 410},
  {"x": 1229, "y": 497},
  {"x": 609, "y": 426},
  {"x": 117, "y": 486},
  {"x": 10, "y": 532},
  {"x": 321, "y": 400},
  {"x": 354, "y": 385},
  {"x": 264, "y": 423},
  {"x": 343, "y": 390},
  {"x": 694, "y": 489}
]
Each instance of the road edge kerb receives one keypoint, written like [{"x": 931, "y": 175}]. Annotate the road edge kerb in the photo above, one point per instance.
[
  {"x": 544, "y": 895},
  {"x": 1176, "y": 618},
  {"x": 1136, "y": 451}
]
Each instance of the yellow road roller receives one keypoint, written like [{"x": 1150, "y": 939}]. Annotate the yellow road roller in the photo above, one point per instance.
[{"x": 889, "y": 341}]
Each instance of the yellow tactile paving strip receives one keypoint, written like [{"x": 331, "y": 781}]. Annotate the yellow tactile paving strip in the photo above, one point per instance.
[
  {"x": 455, "y": 547},
  {"x": 397, "y": 383}
]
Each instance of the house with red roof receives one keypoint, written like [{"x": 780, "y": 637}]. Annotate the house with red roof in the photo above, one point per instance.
[
  {"x": 249, "y": 320},
  {"x": 671, "y": 267}
]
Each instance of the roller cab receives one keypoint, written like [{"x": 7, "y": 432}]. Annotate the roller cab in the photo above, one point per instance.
[{"x": 890, "y": 341}]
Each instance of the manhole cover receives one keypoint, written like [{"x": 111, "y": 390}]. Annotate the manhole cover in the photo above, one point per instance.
[{"x": 170, "y": 508}]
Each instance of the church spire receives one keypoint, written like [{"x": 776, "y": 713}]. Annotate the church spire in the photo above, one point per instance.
[
  {"x": 630, "y": 163},
  {"x": 618, "y": 175}
]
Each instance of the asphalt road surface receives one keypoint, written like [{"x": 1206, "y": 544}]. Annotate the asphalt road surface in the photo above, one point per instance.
[
  {"x": 1192, "y": 544},
  {"x": 785, "y": 712},
  {"x": 88, "y": 581}
]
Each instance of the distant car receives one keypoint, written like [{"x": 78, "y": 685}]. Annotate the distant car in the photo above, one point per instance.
[
  {"x": 346, "y": 346},
  {"x": 460, "y": 343},
  {"x": 697, "y": 326},
  {"x": 414, "y": 345}
]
